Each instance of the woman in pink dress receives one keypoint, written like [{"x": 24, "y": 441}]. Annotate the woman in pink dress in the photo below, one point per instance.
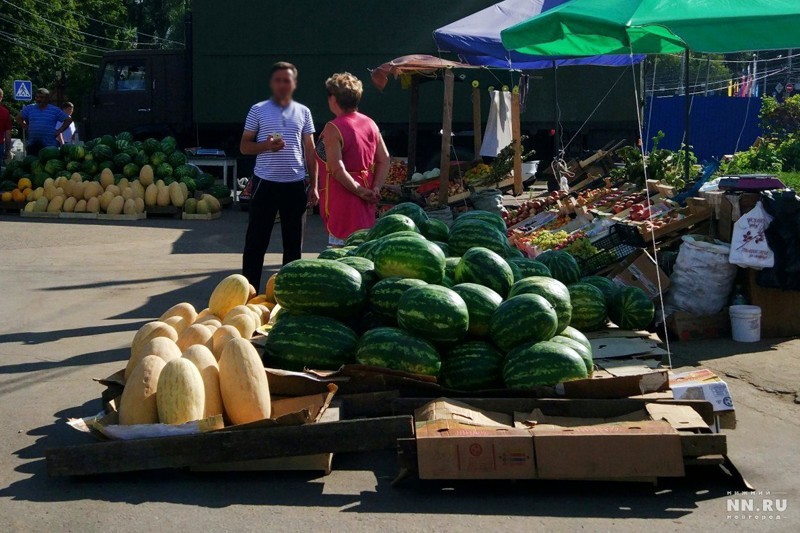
[{"x": 355, "y": 162}]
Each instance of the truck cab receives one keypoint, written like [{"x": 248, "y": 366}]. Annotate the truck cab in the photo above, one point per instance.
[{"x": 141, "y": 91}]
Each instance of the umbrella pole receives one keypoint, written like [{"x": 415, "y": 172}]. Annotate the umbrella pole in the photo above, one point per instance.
[
  {"x": 688, "y": 105},
  {"x": 412, "y": 127},
  {"x": 447, "y": 131}
]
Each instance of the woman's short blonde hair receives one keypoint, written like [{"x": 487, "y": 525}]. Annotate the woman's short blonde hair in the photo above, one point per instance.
[{"x": 346, "y": 88}]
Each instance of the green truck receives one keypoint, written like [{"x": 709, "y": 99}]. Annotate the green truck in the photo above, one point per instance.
[{"x": 202, "y": 93}]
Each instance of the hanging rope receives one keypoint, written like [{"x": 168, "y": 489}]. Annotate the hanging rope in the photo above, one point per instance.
[
  {"x": 646, "y": 141},
  {"x": 652, "y": 228}
]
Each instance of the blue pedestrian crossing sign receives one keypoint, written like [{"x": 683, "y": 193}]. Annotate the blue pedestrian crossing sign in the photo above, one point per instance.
[{"x": 23, "y": 90}]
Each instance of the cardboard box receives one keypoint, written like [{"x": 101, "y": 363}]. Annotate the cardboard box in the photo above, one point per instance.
[
  {"x": 457, "y": 441},
  {"x": 687, "y": 327},
  {"x": 640, "y": 270},
  {"x": 774, "y": 303},
  {"x": 705, "y": 385}
]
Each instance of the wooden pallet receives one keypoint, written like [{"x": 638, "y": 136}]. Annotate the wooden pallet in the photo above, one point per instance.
[
  {"x": 121, "y": 217},
  {"x": 78, "y": 216},
  {"x": 195, "y": 216},
  {"x": 168, "y": 211},
  {"x": 37, "y": 214}
]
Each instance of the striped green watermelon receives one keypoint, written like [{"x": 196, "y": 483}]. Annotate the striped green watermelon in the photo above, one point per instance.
[
  {"x": 515, "y": 270},
  {"x": 589, "y": 311},
  {"x": 365, "y": 267},
  {"x": 631, "y": 308},
  {"x": 332, "y": 253},
  {"x": 552, "y": 290},
  {"x": 574, "y": 334},
  {"x": 562, "y": 265},
  {"x": 446, "y": 282},
  {"x": 472, "y": 366},
  {"x": 398, "y": 234},
  {"x": 366, "y": 250},
  {"x": 606, "y": 286},
  {"x": 523, "y": 319},
  {"x": 396, "y": 349},
  {"x": 320, "y": 287},
  {"x": 385, "y": 295},
  {"x": 450, "y": 265},
  {"x": 357, "y": 237},
  {"x": 435, "y": 230},
  {"x": 542, "y": 364},
  {"x": 474, "y": 233},
  {"x": 409, "y": 257},
  {"x": 433, "y": 312},
  {"x": 490, "y": 218},
  {"x": 484, "y": 267},
  {"x": 482, "y": 302},
  {"x": 314, "y": 342},
  {"x": 512, "y": 252},
  {"x": 530, "y": 267},
  {"x": 443, "y": 247},
  {"x": 411, "y": 210},
  {"x": 388, "y": 224},
  {"x": 370, "y": 320},
  {"x": 583, "y": 351}
]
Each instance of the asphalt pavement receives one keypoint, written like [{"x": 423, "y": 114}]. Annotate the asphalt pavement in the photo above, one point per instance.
[{"x": 73, "y": 293}]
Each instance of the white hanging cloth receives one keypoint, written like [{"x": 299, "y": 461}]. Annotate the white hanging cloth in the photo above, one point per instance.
[{"x": 498, "y": 126}]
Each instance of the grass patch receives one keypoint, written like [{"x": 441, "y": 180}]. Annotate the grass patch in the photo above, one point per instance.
[{"x": 791, "y": 179}]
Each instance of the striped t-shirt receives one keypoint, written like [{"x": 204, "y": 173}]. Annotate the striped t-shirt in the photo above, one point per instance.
[
  {"x": 42, "y": 123},
  {"x": 292, "y": 122}
]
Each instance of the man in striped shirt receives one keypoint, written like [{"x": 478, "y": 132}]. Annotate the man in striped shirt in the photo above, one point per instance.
[
  {"x": 40, "y": 120},
  {"x": 279, "y": 132}
]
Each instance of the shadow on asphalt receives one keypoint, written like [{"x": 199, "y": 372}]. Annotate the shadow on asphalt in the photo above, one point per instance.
[{"x": 692, "y": 353}]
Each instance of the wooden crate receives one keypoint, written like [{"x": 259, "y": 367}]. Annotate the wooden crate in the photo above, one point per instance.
[
  {"x": 697, "y": 211},
  {"x": 78, "y": 216},
  {"x": 778, "y": 318},
  {"x": 32, "y": 214},
  {"x": 121, "y": 217},
  {"x": 195, "y": 216}
]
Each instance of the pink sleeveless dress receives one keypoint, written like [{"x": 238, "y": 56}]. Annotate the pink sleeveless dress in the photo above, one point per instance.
[{"x": 343, "y": 211}]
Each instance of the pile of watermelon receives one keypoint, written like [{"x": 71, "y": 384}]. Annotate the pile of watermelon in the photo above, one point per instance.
[
  {"x": 459, "y": 303},
  {"x": 123, "y": 155}
]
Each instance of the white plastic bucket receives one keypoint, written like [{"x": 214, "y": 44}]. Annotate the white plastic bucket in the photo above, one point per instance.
[{"x": 746, "y": 323}]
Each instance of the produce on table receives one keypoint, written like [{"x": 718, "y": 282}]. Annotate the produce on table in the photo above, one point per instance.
[
  {"x": 524, "y": 318},
  {"x": 409, "y": 209},
  {"x": 435, "y": 230},
  {"x": 606, "y": 286},
  {"x": 482, "y": 302},
  {"x": 473, "y": 233},
  {"x": 486, "y": 216},
  {"x": 542, "y": 364},
  {"x": 483, "y": 266},
  {"x": 581, "y": 349},
  {"x": 243, "y": 383},
  {"x": 472, "y": 366},
  {"x": 562, "y": 265},
  {"x": 365, "y": 267},
  {"x": 551, "y": 290},
  {"x": 384, "y": 297},
  {"x": 589, "y": 312},
  {"x": 320, "y": 286},
  {"x": 391, "y": 223},
  {"x": 138, "y": 402},
  {"x": 435, "y": 313},
  {"x": 529, "y": 267},
  {"x": 410, "y": 257},
  {"x": 318, "y": 342},
  {"x": 631, "y": 308},
  {"x": 396, "y": 349},
  {"x": 180, "y": 396},
  {"x": 398, "y": 172},
  {"x": 206, "y": 363}
]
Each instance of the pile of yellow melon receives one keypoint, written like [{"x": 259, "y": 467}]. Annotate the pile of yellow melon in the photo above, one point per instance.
[
  {"x": 73, "y": 195},
  {"x": 189, "y": 366}
]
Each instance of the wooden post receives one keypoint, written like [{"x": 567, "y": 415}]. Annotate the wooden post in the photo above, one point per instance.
[
  {"x": 476, "y": 118},
  {"x": 447, "y": 131},
  {"x": 516, "y": 135},
  {"x": 413, "y": 117}
]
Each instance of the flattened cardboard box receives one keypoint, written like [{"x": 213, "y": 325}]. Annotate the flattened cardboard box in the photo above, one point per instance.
[{"x": 455, "y": 446}]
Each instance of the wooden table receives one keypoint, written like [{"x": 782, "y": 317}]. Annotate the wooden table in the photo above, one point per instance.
[{"x": 225, "y": 163}]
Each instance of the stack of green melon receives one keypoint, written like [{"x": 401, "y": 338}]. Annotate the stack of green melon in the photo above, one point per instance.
[{"x": 459, "y": 303}]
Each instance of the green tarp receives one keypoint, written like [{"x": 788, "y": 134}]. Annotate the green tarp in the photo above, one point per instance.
[{"x": 595, "y": 27}]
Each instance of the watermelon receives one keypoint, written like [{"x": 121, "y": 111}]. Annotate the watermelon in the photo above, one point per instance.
[
  {"x": 562, "y": 265},
  {"x": 515, "y": 270},
  {"x": 447, "y": 281},
  {"x": 580, "y": 349},
  {"x": 366, "y": 250},
  {"x": 388, "y": 224},
  {"x": 481, "y": 302},
  {"x": 542, "y": 364},
  {"x": 184, "y": 170},
  {"x": 411, "y": 210},
  {"x": 523, "y": 319},
  {"x": 218, "y": 190},
  {"x": 475, "y": 233},
  {"x": 168, "y": 145},
  {"x": 435, "y": 230},
  {"x": 589, "y": 311},
  {"x": 484, "y": 267},
  {"x": 177, "y": 159},
  {"x": 606, "y": 286},
  {"x": 315, "y": 342},
  {"x": 102, "y": 165},
  {"x": 409, "y": 257},
  {"x": 472, "y": 366},
  {"x": 433, "y": 312},
  {"x": 530, "y": 267},
  {"x": 490, "y": 218},
  {"x": 385, "y": 295},
  {"x": 89, "y": 167},
  {"x": 357, "y": 237},
  {"x": 443, "y": 247},
  {"x": 48, "y": 153},
  {"x": 131, "y": 171},
  {"x": 157, "y": 159},
  {"x": 76, "y": 152},
  {"x": 141, "y": 159},
  {"x": 396, "y": 349},
  {"x": 512, "y": 252},
  {"x": 332, "y": 253},
  {"x": 204, "y": 180},
  {"x": 191, "y": 186},
  {"x": 364, "y": 266},
  {"x": 320, "y": 287},
  {"x": 120, "y": 160},
  {"x": 552, "y": 290},
  {"x": 574, "y": 334},
  {"x": 125, "y": 136},
  {"x": 108, "y": 140},
  {"x": 54, "y": 166},
  {"x": 164, "y": 170},
  {"x": 101, "y": 153},
  {"x": 396, "y": 235},
  {"x": 631, "y": 308},
  {"x": 450, "y": 264}
]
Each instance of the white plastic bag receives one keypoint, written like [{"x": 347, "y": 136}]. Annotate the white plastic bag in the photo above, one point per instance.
[
  {"x": 702, "y": 279},
  {"x": 749, "y": 248}
]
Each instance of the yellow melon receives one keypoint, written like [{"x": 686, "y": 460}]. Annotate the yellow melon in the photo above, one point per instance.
[
  {"x": 269, "y": 290},
  {"x": 205, "y": 362},
  {"x": 185, "y": 310},
  {"x": 181, "y": 394},
  {"x": 194, "y": 334},
  {"x": 138, "y": 402},
  {"x": 221, "y": 337},
  {"x": 146, "y": 333},
  {"x": 243, "y": 383},
  {"x": 245, "y": 323},
  {"x": 177, "y": 322},
  {"x": 230, "y": 292}
]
